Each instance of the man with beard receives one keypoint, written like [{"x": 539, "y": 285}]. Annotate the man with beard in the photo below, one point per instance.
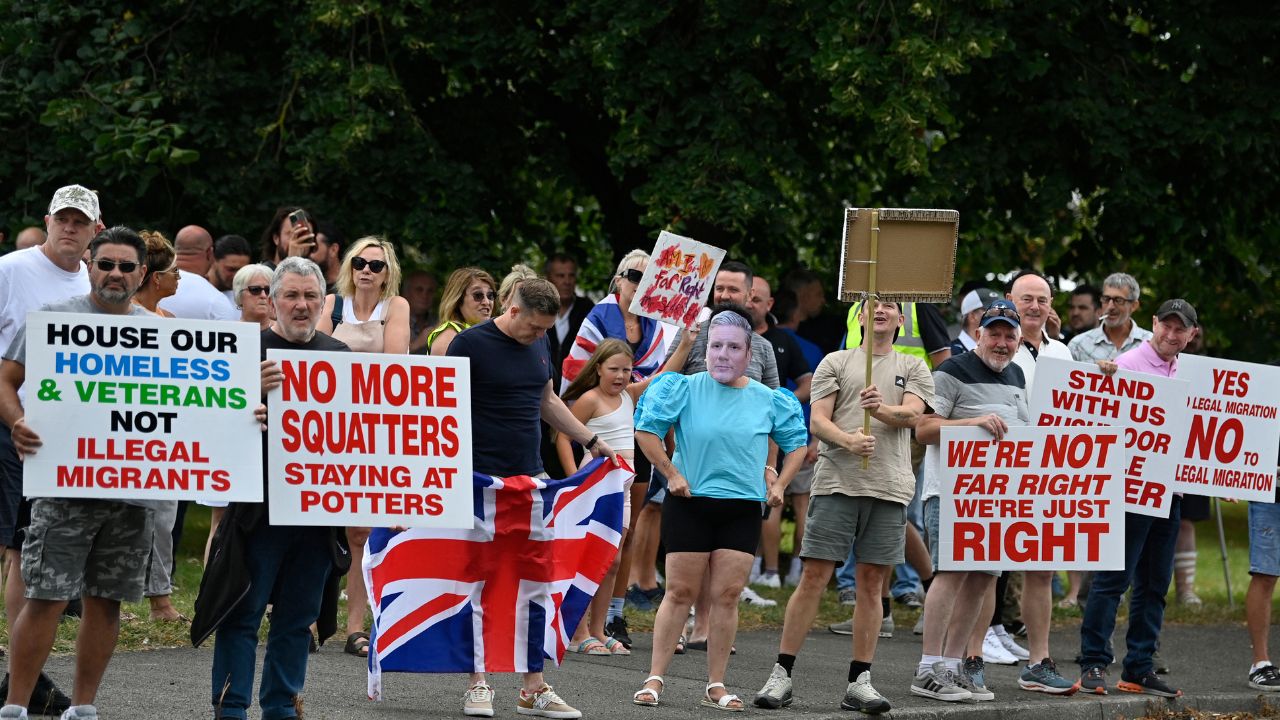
[
  {"x": 93, "y": 548},
  {"x": 982, "y": 388},
  {"x": 1118, "y": 332}
]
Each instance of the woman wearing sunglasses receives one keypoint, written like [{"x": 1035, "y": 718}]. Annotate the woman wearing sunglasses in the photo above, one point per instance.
[
  {"x": 161, "y": 280},
  {"x": 251, "y": 291},
  {"x": 467, "y": 299},
  {"x": 368, "y": 314}
]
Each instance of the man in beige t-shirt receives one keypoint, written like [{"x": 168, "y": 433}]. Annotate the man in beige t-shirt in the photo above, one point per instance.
[{"x": 851, "y": 504}]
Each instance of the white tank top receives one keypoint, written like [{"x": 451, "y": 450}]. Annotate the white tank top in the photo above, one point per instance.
[{"x": 618, "y": 427}]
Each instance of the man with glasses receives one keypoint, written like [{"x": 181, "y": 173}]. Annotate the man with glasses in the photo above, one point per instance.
[
  {"x": 31, "y": 278},
  {"x": 97, "y": 549},
  {"x": 1118, "y": 332}
]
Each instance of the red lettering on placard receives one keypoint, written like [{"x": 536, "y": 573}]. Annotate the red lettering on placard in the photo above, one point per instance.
[{"x": 1230, "y": 382}]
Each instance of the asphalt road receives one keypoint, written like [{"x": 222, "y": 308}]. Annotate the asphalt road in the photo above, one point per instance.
[{"x": 1209, "y": 663}]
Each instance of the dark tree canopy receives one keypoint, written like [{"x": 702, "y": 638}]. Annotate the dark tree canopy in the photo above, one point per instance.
[{"x": 1080, "y": 138}]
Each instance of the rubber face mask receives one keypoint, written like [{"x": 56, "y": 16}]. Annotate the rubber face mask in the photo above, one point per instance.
[{"x": 728, "y": 350}]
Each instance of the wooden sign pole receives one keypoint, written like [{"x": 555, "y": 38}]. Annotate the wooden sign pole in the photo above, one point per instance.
[{"x": 868, "y": 318}]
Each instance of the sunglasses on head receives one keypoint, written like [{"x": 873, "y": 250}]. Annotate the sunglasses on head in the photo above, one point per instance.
[
  {"x": 258, "y": 289},
  {"x": 632, "y": 274},
  {"x": 1001, "y": 311},
  {"x": 375, "y": 266},
  {"x": 125, "y": 266},
  {"x": 479, "y": 296}
]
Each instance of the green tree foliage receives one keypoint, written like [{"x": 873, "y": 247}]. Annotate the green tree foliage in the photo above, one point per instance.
[{"x": 1077, "y": 137}]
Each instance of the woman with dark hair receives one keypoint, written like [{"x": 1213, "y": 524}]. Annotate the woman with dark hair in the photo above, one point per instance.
[
  {"x": 467, "y": 299},
  {"x": 723, "y": 422}
]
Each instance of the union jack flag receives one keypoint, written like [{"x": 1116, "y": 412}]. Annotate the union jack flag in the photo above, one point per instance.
[{"x": 503, "y": 595}]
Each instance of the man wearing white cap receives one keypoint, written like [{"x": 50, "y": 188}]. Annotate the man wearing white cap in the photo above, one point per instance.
[
  {"x": 30, "y": 279},
  {"x": 971, "y": 307}
]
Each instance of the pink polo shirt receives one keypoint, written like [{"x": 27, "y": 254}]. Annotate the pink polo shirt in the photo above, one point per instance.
[{"x": 1144, "y": 359}]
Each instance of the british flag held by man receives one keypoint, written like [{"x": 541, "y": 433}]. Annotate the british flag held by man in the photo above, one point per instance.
[{"x": 503, "y": 595}]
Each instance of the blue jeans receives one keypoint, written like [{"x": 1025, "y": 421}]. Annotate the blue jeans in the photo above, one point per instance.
[
  {"x": 288, "y": 567},
  {"x": 905, "y": 577},
  {"x": 1148, "y": 560}
]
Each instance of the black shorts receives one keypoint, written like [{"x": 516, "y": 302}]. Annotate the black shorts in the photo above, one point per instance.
[
  {"x": 1195, "y": 507},
  {"x": 703, "y": 524},
  {"x": 10, "y": 490}
]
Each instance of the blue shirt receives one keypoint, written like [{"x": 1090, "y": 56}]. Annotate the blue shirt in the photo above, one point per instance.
[{"x": 722, "y": 432}]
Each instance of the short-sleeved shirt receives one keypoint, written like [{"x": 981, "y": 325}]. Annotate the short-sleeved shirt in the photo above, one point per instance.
[
  {"x": 888, "y": 476},
  {"x": 1027, "y": 359},
  {"x": 508, "y": 379},
  {"x": 197, "y": 299},
  {"x": 1094, "y": 345},
  {"x": 964, "y": 387},
  {"x": 787, "y": 354},
  {"x": 722, "y": 432},
  {"x": 762, "y": 367},
  {"x": 28, "y": 280}
]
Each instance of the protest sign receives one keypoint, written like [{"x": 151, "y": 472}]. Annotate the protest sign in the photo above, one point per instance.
[
  {"x": 1233, "y": 429},
  {"x": 677, "y": 281},
  {"x": 898, "y": 254},
  {"x": 142, "y": 408},
  {"x": 1147, "y": 406},
  {"x": 1039, "y": 499},
  {"x": 369, "y": 439}
]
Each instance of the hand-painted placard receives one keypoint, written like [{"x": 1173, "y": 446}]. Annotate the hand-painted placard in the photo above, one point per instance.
[{"x": 677, "y": 282}]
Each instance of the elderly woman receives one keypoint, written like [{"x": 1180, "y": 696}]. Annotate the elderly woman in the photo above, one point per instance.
[
  {"x": 251, "y": 291},
  {"x": 723, "y": 421},
  {"x": 467, "y": 300}
]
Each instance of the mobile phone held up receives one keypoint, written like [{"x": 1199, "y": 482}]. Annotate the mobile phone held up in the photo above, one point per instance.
[{"x": 298, "y": 217}]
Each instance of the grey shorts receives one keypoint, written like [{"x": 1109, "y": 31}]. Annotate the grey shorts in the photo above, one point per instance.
[
  {"x": 932, "y": 510},
  {"x": 98, "y": 548},
  {"x": 837, "y": 522},
  {"x": 802, "y": 483}
]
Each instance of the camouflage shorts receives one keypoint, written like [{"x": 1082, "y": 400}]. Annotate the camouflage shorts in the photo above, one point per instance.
[{"x": 93, "y": 547}]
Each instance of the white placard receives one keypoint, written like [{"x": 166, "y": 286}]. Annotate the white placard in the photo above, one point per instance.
[
  {"x": 1148, "y": 407},
  {"x": 1232, "y": 430},
  {"x": 1039, "y": 499},
  {"x": 678, "y": 280},
  {"x": 142, "y": 408},
  {"x": 370, "y": 440}
]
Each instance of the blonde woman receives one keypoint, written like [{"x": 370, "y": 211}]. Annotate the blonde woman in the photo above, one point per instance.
[
  {"x": 162, "y": 274},
  {"x": 468, "y": 299}
]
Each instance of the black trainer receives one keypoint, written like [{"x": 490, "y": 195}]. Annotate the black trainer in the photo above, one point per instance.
[
  {"x": 1265, "y": 678},
  {"x": 617, "y": 629},
  {"x": 1149, "y": 684}
]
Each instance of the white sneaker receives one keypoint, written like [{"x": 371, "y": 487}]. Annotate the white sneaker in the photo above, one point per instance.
[
  {"x": 546, "y": 703},
  {"x": 776, "y": 692},
  {"x": 862, "y": 697},
  {"x": 793, "y": 576},
  {"x": 993, "y": 650},
  {"x": 769, "y": 580},
  {"x": 80, "y": 712},
  {"x": 1010, "y": 644},
  {"x": 757, "y": 568},
  {"x": 751, "y": 597},
  {"x": 478, "y": 701},
  {"x": 13, "y": 712}
]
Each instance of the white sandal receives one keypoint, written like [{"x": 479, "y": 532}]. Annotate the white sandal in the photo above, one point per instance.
[
  {"x": 724, "y": 702},
  {"x": 655, "y": 692}
]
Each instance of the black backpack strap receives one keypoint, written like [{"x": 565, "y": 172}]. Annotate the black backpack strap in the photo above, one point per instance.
[{"x": 337, "y": 310}]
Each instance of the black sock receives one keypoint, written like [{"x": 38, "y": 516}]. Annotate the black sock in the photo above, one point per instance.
[
  {"x": 884, "y": 605},
  {"x": 856, "y": 668},
  {"x": 925, "y": 584},
  {"x": 787, "y": 662}
]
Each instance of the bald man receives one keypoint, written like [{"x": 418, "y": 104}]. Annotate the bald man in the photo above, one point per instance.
[
  {"x": 31, "y": 237},
  {"x": 194, "y": 246}
]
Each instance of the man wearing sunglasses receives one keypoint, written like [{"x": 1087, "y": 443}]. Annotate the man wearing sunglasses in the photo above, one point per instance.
[
  {"x": 94, "y": 549},
  {"x": 31, "y": 278},
  {"x": 1118, "y": 332}
]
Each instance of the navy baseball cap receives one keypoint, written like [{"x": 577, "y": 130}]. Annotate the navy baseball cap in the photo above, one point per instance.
[{"x": 1001, "y": 311}]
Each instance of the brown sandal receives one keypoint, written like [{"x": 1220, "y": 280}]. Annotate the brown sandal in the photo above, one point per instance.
[{"x": 357, "y": 644}]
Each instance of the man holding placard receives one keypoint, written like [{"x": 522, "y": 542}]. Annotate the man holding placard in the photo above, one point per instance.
[
  {"x": 286, "y": 566},
  {"x": 852, "y": 504},
  {"x": 93, "y": 548},
  {"x": 1149, "y": 542}
]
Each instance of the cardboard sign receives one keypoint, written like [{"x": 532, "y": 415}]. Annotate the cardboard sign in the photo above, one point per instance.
[
  {"x": 1040, "y": 499},
  {"x": 915, "y": 256},
  {"x": 142, "y": 408},
  {"x": 370, "y": 440},
  {"x": 1233, "y": 429},
  {"x": 1148, "y": 407},
  {"x": 677, "y": 282}
]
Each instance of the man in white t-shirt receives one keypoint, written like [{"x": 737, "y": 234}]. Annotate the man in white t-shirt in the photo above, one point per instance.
[
  {"x": 196, "y": 298},
  {"x": 30, "y": 279}
]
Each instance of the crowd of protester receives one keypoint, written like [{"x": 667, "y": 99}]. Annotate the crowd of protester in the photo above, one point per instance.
[{"x": 756, "y": 407}]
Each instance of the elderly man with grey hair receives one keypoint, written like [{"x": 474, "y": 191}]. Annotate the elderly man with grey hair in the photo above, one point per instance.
[
  {"x": 1118, "y": 333},
  {"x": 285, "y": 566}
]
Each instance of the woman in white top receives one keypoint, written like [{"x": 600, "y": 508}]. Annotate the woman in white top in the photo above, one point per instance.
[{"x": 368, "y": 314}]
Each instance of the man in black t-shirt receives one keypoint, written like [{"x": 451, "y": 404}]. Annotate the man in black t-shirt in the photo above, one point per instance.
[
  {"x": 511, "y": 391},
  {"x": 286, "y": 566}
]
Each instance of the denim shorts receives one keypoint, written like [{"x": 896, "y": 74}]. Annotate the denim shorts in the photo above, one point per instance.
[
  {"x": 932, "y": 512},
  {"x": 1264, "y": 539}
]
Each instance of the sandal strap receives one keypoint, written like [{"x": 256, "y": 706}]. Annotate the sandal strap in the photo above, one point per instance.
[{"x": 651, "y": 678}]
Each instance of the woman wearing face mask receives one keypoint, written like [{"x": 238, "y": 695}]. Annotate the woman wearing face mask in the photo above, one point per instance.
[
  {"x": 711, "y": 519},
  {"x": 368, "y": 314},
  {"x": 467, "y": 300}
]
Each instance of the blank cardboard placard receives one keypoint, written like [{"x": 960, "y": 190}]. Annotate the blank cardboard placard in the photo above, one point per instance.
[{"x": 916, "y": 258}]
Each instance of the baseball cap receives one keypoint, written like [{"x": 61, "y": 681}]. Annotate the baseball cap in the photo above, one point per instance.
[
  {"x": 1001, "y": 311},
  {"x": 977, "y": 299},
  {"x": 1183, "y": 309},
  {"x": 76, "y": 196}
]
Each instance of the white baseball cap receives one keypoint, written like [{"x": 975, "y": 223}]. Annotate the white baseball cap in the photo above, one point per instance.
[
  {"x": 76, "y": 196},
  {"x": 977, "y": 299}
]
